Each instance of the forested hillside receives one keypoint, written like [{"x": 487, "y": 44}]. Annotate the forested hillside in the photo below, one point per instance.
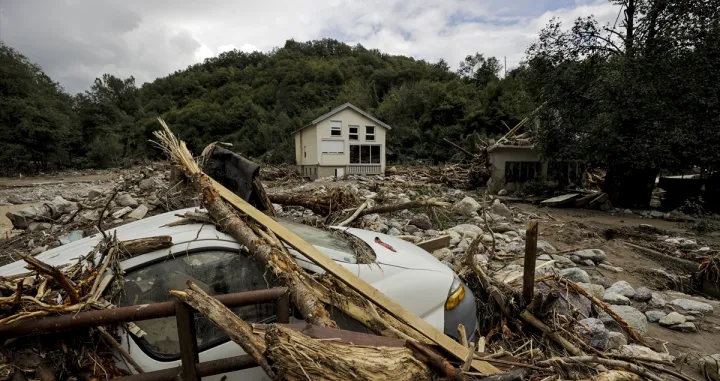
[{"x": 255, "y": 101}]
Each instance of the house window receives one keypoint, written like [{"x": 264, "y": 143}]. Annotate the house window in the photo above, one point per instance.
[
  {"x": 305, "y": 151},
  {"x": 335, "y": 128},
  {"x": 370, "y": 133},
  {"x": 333, "y": 146},
  {"x": 522, "y": 171},
  {"x": 354, "y": 132},
  {"x": 364, "y": 154}
]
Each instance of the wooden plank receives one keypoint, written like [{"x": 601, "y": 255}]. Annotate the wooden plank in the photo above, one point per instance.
[
  {"x": 560, "y": 200},
  {"x": 531, "y": 237},
  {"x": 357, "y": 284},
  {"x": 583, "y": 201},
  {"x": 336, "y": 335},
  {"x": 435, "y": 243}
]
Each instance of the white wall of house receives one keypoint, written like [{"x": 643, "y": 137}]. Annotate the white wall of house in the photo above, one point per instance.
[
  {"x": 348, "y": 118},
  {"x": 306, "y": 146}
]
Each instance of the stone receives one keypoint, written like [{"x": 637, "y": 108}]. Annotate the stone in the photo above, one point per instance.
[
  {"x": 595, "y": 290},
  {"x": 634, "y": 350},
  {"x": 464, "y": 244},
  {"x": 588, "y": 263},
  {"x": 147, "y": 184},
  {"x": 15, "y": 199},
  {"x": 575, "y": 274},
  {"x": 616, "y": 299},
  {"x": 393, "y": 232},
  {"x": 643, "y": 294},
  {"x": 22, "y": 218},
  {"x": 673, "y": 318},
  {"x": 421, "y": 221},
  {"x": 411, "y": 229},
  {"x": 691, "y": 305},
  {"x": 570, "y": 304},
  {"x": 139, "y": 213},
  {"x": 91, "y": 215},
  {"x": 466, "y": 206},
  {"x": 598, "y": 335},
  {"x": 121, "y": 212},
  {"x": 502, "y": 192},
  {"x": 62, "y": 206},
  {"x": 631, "y": 315},
  {"x": 622, "y": 288},
  {"x": 656, "y": 214},
  {"x": 575, "y": 259},
  {"x": 654, "y": 316},
  {"x": 544, "y": 257},
  {"x": 371, "y": 217},
  {"x": 71, "y": 237},
  {"x": 690, "y": 318},
  {"x": 467, "y": 230},
  {"x": 710, "y": 366},
  {"x": 38, "y": 250},
  {"x": 657, "y": 301},
  {"x": 501, "y": 209},
  {"x": 39, "y": 226},
  {"x": 126, "y": 199},
  {"x": 93, "y": 194},
  {"x": 562, "y": 260},
  {"x": 432, "y": 233},
  {"x": 685, "y": 327},
  {"x": 616, "y": 340},
  {"x": 595, "y": 255},
  {"x": 545, "y": 247},
  {"x": 480, "y": 259}
]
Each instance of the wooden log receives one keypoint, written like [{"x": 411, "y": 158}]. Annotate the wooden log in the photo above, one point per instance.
[
  {"x": 637, "y": 369},
  {"x": 297, "y": 357},
  {"x": 554, "y": 336},
  {"x": 531, "y": 237},
  {"x": 238, "y": 330},
  {"x": 53, "y": 272},
  {"x": 405, "y": 205},
  {"x": 354, "y": 215},
  {"x": 318, "y": 204},
  {"x": 145, "y": 245}
]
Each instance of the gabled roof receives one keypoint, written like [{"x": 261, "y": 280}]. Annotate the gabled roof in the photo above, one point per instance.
[{"x": 337, "y": 110}]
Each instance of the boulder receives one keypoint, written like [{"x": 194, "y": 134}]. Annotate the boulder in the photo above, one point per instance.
[
  {"x": 15, "y": 199},
  {"x": 575, "y": 259},
  {"x": 710, "y": 366},
  {"x": 634, "y": 350},
  {"x": 89, "y": 215},
  {"x": 371, "y": 217},
  {"x": 562, "y": 260},
  {"x": 570, "y": 304},
  {"x": 622, "y": 288},
  {"x": 139, "y": 213},
  {"x": 421, "y": 221},
  {"x": 595, "y": 290},
  {"x": 616, "y": 340},
  {"x": 595, "y": 255},
  {"x": 393, "y": 232},
  {"x": 616, "y": 299},
  {"x": 126, "y": 200},
  {"x": 597, "y": 334},
  {"x": 147, "y": 184},
  {"x": 575, "y": 274},
  {"x": 467, "y": 230},
  {"x": 93, "y": 194},
  {"x": 39, "y": 226},
  {"x": 631, "y": 315},
  {"x": 22, "y": 218},
  {"x": 643, "y": 294},
  {"x": 38, "y": 250},
  {"x": 501, "y": 209},
  {"x": 544, "y": 257},
  {"x": 411, "y": 229},
  {"x": 466, "y": 206},
  {"x": 673, "y": 318},
  {"x": 588, "y": 263},
  {"x": 654, "y": 316},
  {"x": 455, "y": 237},
  {"x": 691, "y": 305},
  {"x": 545, "y": 247},
  {"x": 502, "y": 192},
  {"x": 657, "y": 301},
  {"x": 62, "y": 206},
  {"x": 685, "y": 327}
]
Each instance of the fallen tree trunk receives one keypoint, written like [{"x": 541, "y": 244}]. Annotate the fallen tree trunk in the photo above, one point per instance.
[
  {"x": 145, "y": 245},
  {"x": 405, "y": 205},
  {"x": 337, "y": 200}
]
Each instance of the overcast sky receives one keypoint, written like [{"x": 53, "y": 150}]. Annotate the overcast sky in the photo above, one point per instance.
[{"x": 77, "y": 40}]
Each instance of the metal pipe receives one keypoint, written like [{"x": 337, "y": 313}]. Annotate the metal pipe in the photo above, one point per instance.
[
  {"x": 204, "y": 369},
  {"x": 127, "y": 314}
]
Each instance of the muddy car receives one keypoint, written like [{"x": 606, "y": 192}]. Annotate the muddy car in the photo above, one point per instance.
[{"x": 208, "y": 257}]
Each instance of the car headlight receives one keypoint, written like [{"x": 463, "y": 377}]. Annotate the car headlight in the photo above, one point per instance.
[{"x": 456, "y": 294}]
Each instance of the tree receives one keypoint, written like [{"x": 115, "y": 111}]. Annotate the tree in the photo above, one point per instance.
[
  {"x": 480, "y": 70},
  {"x": 618, "y": 96}
]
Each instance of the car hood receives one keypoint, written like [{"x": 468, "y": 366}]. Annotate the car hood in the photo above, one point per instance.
[{"x": 406, "y": 255}]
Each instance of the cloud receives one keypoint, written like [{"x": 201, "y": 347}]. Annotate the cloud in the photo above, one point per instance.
[{"x": 78, "y": 40}]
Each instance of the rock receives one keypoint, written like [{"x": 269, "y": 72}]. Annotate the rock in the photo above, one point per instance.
[
  {"x": 139, "y": 213},
  {"x": 62, "y": 206},
  {"x": 93, "y": 194},
  {"x": 673, "y": 318},
  {"x": 616, "y": 299},
  {"x": 411, "y": 229},
  {"x": 685, "y": 327},
  {"x": 631, "y": 315},
  {"x": 657, "y": 301},
  {"x": 15, "y": 199},
  {"x": 126, "y": 200},
  {"x": 562, "y": 260},
  {"x": 595, "y": 255},
  {"x": 151, "y": 200},
  {"x": 575, "y": 274},
  {"x": 656, "y": 214},
  {"x": 467, "y": 230},
  {"x": 91, "y": 215},
  {"x": 464, "y": 244},
  {"x": 393, "y": 232},
  {"x": 611, "y": 268},
  {"x": 690, "y": 318},
  {"x": 588, "y": 263},
  {"x": 545, "y": 247},
  {"x": 22, "y": 218},
  {"x": 501, "y": 209},
  {"x": 622, "y": 288},
  {"x": 691, "y": 305},
  {"x": 466, "y": 206},
  {"x": 432, "y": 233},
  {"x": 382, "y": 228},
  {"x": 598, "y": 334},
  {"x": 147, "y": 184},
  {"x": 595, "y": 290},
  {"x": 544, "y": 257},
  {"x": 455, "y": 237},
  {"x": 39, "y": 226},
  {"x": 575, "y": 259},
  {"x": 71, "y": 237},
  {"x": 421, "y": 221},
  {"x": 38, "y": 250},
  {"x": 643, "y": 294},
  {"x": 634, "y": 350},
  {"x": 121, "y": 212},
  {"x": 570, "y": 304},
  {"x": 502, "y": 192},
  {"x": 502, "y": 237},
  {"x": 480, "y": 259},
  {"x": 654, "y": 316},
  {"x": 372, "y": 217},
  {"x": 710, "y": 366},
  {"x": 616, "y": 340}
]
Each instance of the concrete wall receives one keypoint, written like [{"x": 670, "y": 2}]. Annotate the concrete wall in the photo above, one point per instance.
[
  {"x": 503, "y": 154},
  {"x": 348, "y": 117},
  {"x": 306, "y": 142}
]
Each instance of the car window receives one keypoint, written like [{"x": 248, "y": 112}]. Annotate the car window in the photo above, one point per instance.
[
  {"x": 336, "y": 244},
  {"x": 216, "y": 272}
]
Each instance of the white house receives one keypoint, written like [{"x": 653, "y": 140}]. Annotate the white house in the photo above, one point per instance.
[{"x": 346, "y": 140}]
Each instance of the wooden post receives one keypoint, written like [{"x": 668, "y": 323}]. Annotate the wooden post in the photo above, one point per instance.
[
  {"x": 530, "y": 255},
  {"x": 185, "y": 318}
]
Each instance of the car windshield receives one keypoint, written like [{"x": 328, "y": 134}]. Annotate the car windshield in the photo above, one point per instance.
[
  {"x": 336, "y": 244},
  {"x": 216, "y": 272}
]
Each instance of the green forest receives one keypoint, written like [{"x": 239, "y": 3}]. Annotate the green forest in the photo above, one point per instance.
[{"x": 632, "y": 98}]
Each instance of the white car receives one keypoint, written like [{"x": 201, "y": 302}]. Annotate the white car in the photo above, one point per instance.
[{"x": 399, "y": 269}]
